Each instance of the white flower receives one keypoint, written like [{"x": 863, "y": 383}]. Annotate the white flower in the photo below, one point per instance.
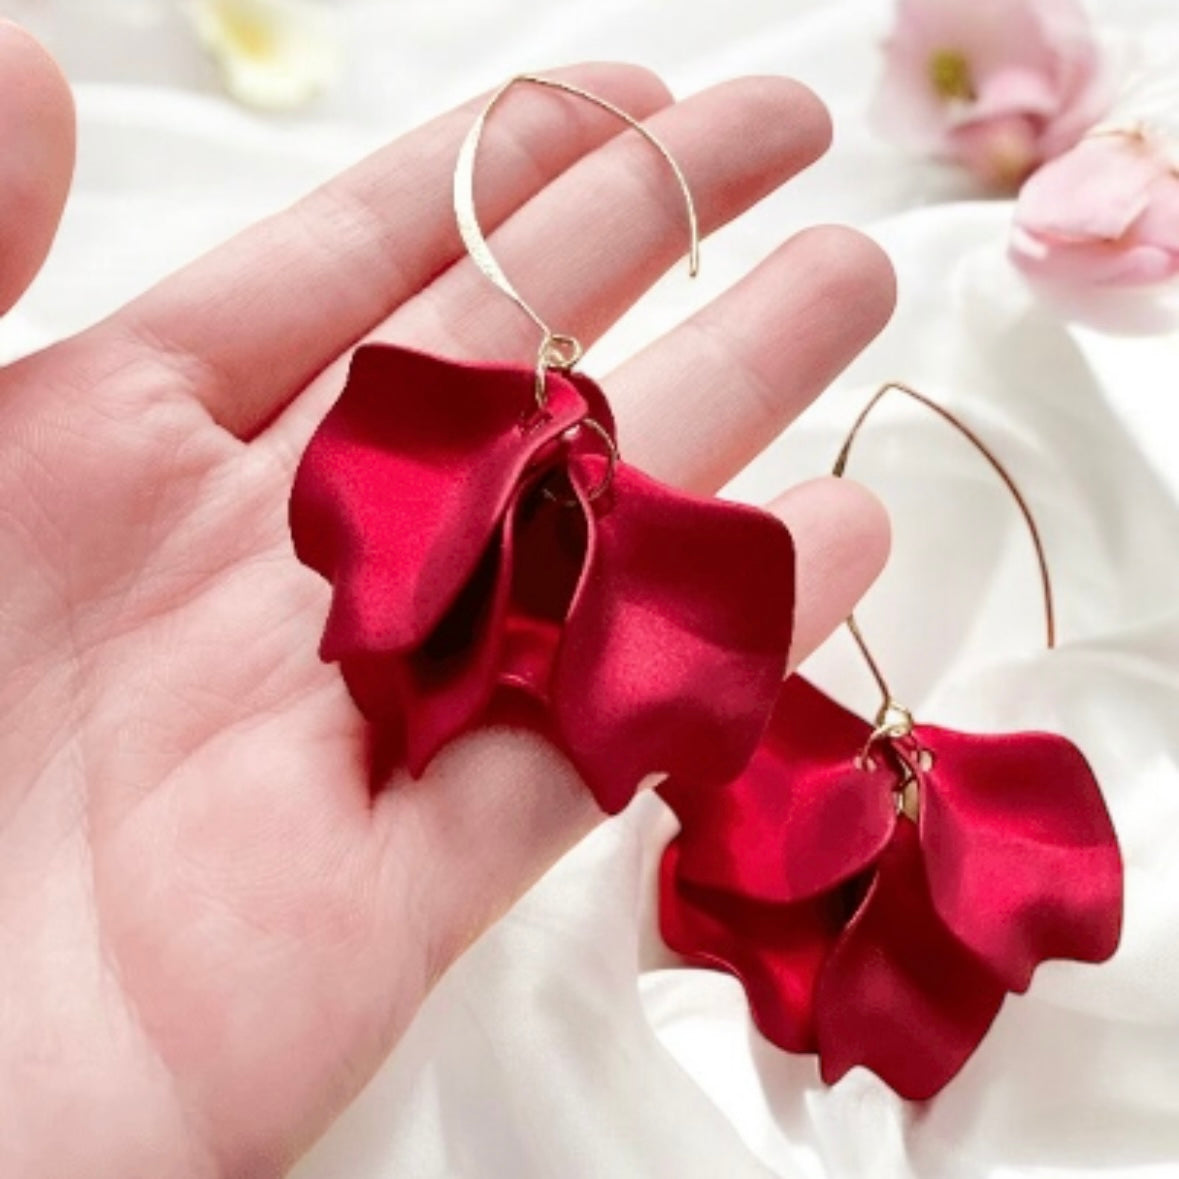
[{"x": 274, "y": 54}]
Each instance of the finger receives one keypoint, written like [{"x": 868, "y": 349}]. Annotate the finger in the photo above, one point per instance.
[
  {"x": 496, "y": 809},
  {"x": 841, "y": 532},
  {"x": 249, "y": 324},
  {"x": 37, "y": 164},
  {"x": 697, "y": 406},
  {"x": 587, "y": 246}
]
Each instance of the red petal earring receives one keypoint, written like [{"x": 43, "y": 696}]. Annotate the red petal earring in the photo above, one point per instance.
[
  {"x": 879, "y": 888},
  {"x": 492, "y": 557}
]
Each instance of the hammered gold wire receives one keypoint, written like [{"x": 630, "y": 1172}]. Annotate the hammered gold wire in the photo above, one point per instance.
[{"x": 557, "y": 351}]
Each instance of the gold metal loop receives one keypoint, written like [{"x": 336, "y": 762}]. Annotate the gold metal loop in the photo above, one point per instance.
[
  {"x": 895, "y": 726},
  {"x": 476, "y": 242},
  {"x": 560, "y": 352},
  {"x": 893, "y": 721},
  {"x": 610, "y": 451},
  {"x": 557, "y": 352}
]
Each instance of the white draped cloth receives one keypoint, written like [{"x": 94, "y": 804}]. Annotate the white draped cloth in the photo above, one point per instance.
[{"x": 567, "y": 1042}]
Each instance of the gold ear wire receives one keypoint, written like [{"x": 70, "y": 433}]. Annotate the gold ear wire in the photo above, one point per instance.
[
  {"x": 557, "y": 350},
  {"x": 890, "y": 708}
]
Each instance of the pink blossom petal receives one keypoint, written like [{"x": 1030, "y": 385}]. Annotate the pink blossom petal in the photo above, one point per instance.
[
  {"x": 1087, "y": 88},
  {"x": 1093, "y": 193},
  {"x": 989, "y": 34},
  {"x": 1039, "y": 34},
  {"x": 1105, "y": 214},
  {"x": 1012, "y": 91},
  {"x": 1159, "y": 224},
  {"x": 906, "y": 108},
  {"x": 1142, "y": 266},
  {"x": 1088, "y": 265},
  {"x": 1001, "y": 151}
]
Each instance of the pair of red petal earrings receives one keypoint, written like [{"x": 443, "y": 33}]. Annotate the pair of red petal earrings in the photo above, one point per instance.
[{"x": 878, "y": 889}]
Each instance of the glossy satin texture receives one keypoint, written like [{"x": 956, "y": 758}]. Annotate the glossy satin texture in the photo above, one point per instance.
[
  {"x": 645, "y": 631},
  {"x": 867, "y": 937}
]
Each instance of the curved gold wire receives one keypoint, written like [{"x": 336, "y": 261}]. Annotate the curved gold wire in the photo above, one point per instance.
[
  {"x": 609, "y": 452},
  {"x": 890, "y": 707},
  {"x": 557, "y": 350}
]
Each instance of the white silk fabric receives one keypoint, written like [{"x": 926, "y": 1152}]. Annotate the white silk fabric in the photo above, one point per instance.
[{"x": 567, "y": 1042}]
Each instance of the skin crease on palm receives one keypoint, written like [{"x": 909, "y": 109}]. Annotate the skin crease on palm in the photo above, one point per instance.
[{"x": 211, "y": 933}]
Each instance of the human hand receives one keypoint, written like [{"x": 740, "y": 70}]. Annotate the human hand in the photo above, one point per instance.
[{"x": 211, "y": 933}]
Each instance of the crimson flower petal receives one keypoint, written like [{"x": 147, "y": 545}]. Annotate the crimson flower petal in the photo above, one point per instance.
[
  {"x": 676, "y": 639},
  {"x": 401, "y": 487},
  {"x": 899, "y": 994},
  {"x": 447, "y": 681},
  {"x": 803, "y": 816},
  {"x": 775, "y": 951},
  {"x": 418, "y": 700},
  {"x": 501, "y": 631},
  {"x": 552, "y": 534},
  {"x": 1021, "y": 856}
]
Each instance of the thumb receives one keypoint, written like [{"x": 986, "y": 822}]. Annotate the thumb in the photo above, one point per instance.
[{"x": 38, "y": 133}]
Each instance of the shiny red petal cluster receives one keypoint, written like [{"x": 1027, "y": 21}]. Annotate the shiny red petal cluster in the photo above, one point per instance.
[
  {"x": 867, "y": 937},
  {"x": 645, "y": 631}
]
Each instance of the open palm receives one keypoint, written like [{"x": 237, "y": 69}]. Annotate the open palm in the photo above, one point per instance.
[{"x": 211, "y": 931}]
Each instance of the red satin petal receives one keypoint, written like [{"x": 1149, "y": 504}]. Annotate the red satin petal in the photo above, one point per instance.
[
  {"x": 502, "y": 630},
  {"x": 1022, "y": 859},
  {"x": 549, "y": 557},
  {"x": 401, "y": 487},
  {"x": 676, "y": 640},
  {"x": 421, "y": 699},
  {"x": 802, "y": 818},
  {"x": 899, "y": 994},
  {"x": 449, "y": 680},
  {"x": 775, "y": 950}
]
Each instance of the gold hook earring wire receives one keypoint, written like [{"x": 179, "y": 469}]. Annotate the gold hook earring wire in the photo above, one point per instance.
[
  {"x": 557, "y": 350},
  {"x": 890, "y": 708}
]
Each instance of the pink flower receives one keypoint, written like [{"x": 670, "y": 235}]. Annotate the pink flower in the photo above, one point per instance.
[
  {"x": 999, "y": 86},
  {"x": 1106, "y": 214}
]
